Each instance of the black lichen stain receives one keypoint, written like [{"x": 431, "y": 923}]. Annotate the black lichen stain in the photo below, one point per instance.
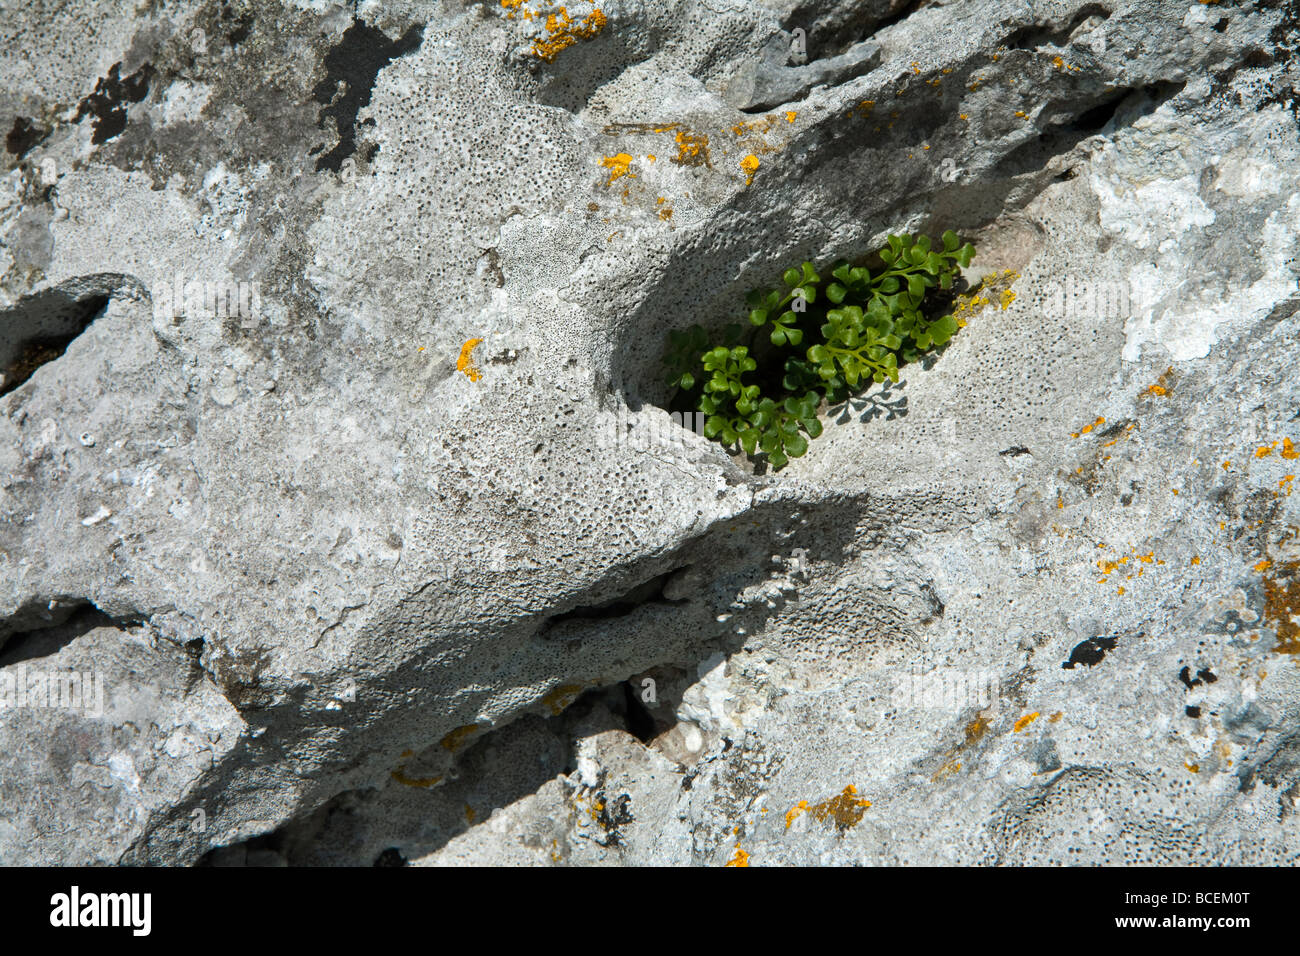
[
  {"x": 110, "y": 98},
  {"x": 23, "y": 136},
  {"x": 355, "y": 62},
  {"x": 1203, "y": 676},
  {"x": 1090, "y": 652}
]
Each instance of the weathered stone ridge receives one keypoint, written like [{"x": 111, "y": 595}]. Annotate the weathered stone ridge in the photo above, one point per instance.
[{"x": 400, "y": 556}]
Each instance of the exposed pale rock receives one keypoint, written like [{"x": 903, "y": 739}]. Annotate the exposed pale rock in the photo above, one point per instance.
[{"x": 378, "y": 569}]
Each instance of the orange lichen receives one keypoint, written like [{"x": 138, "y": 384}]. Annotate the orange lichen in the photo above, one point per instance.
[
  {"x": 563, "y": 32},
  {"x": 1282, "y": 607},
  {"x": 790, "y": 116},
  {"x": 845, "y": 808},
  {"x": 1024, "y": 722},
  {"x": 466, "y": 364},
  {"x": 740, "y": 858},
  {"x": 423, "y": 783},
  {"x": 561, "y": 697},
  {"x": 1087, "y": 428},
  {"x": 1263, "y": 451},
  {"x": 692, "y": 150},
  {"x": 1056, "y": 717},
  {"x": 1193, "y": 767},
  {"x": 1288, "y": 450},
  {"x": 456, "y": 738},
  {"x": 750, "y": 165},
  {"x": 976, "y": 729},
  {"x": 619, "y": 165},
  {"x": 795, "y": 812},
  {"x": 949, "y": 768},
  {"x": 1263, "y": 566}
]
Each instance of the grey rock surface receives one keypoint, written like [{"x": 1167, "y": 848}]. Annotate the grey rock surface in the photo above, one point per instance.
[{"x": 333, "y": 445}]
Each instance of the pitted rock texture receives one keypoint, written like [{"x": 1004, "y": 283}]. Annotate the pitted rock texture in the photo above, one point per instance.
[{"x": 333, "y": 444}]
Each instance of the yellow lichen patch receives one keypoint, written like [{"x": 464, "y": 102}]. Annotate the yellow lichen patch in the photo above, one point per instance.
[
  {"x": 755, "y": 126},
  {"x": 466, "y": 364},
  {"x": 1263, "y": 451},
  {"x": 1087, "y": 428},
  {"x": 666, "y": 213},
  {"x": 456, "y": 739},
  {"x": 740, "y": 858},
  {"x": 846, "y": 808},
  {"x": 692, "y": 149},
  {"x": 1284, "y": 486},
  {"x": 971, "y": 303},
  {"x": 423, "y": 783},
  {"x": 1288, "y": 450},
  {"x": 1025, "y": 721},
  {"x": 561, "y": 697},
  {"x": 795, "y": 812},
  {"x": 1263, "y": 566},
  {"x": 562, "y": 32},
  {"x": 619, "y": 165},
  {"x": 750, "y": 165},
  {"x": 949, "y": 768},
  {"x": 790, "y": 116},
  {"x": 1056, "y": 717},
  {"x": 1196, "y": 559},
  {"x": 863, "y": 109},
  {"x": 1282, "y": 607},
  {"x": 1193, "y": 767},
  {"x": 976, "y": 729}
]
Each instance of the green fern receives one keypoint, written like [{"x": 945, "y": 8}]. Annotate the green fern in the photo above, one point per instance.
[{"x": 859, "y": 327}]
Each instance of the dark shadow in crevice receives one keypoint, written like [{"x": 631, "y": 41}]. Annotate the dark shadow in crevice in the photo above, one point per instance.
[
  {"x": 39, "y": 330},
  {"x": 1038, "y": 35},
  {"x": 392, "y": 819},
  {"x": 68, "y": 623},
  {"x": 1121, "y": 107},
  {"x": 649, "y": 592},
  {"x": 865, "y": 21}
]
